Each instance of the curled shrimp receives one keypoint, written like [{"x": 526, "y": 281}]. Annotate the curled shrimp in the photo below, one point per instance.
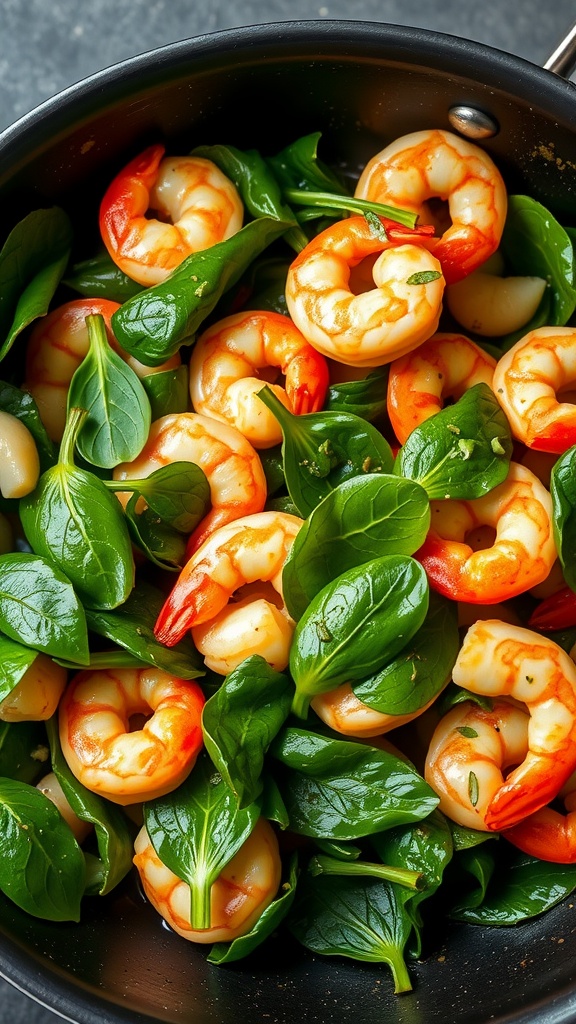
[
  {"x": 342, "y": 710},
  {"x": 248, "y": 550},
  {"x": 128, "y": 765},
  {"x": 549, "y": 834},
  {"x": 238, "y": 897},
  {"x": 420, "y": 382},
  {"x": 521, "y": 550},
  {"x": 225, "y": 365},
  {"x": 375, "y": 326},
  {"x": 232, "y": 466},
  {"x": 498, "y": 659},
  {"x": 436, "y": 164},
  {"x": 198, "y": 206},
  {"x": 58, "y": 343},
  {"x": 470, "y": 749},
  {"x": 527, "y": 380}
]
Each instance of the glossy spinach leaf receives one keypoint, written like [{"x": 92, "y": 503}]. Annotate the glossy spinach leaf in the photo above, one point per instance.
[
  {"x": 100, "y": 277},
  {"x": 563, "y": 492},
  {"x": 196, "y": 830},
  {"x": 363, "y": 518},
  {"x": 154, "y": 324},
  {"x": 40, "y": 609},
  {"x": 463, "y": 451},
  {"x": 356, "y": 624},
  {"x": 362, "y": 918},
  {"x": 34, "y": 843},
  {"x": 266, "y": 925},
  {"x": 167, "y": 391},
  {"x": 114, "y": 839},
  {"x": 258, "y": 187},
  {"x": 321, "y": 450},
  {"x": 366, "y": 397},
  {"x": 118, "y": 411},
  {"x": 240, "y": 721},
  {"x": 425, "y": 847},
  {"x": 178, "y": 493},
  {"x": 421, "y": 670},
  {"x": 74, "y": 521},
  {"x": 534, "y": 243},
  {"x": 131, "y": 626},
  {"x": 299, "y": 166},
  {"x": 345, "y": 789},
  {"x": 32, "y": 262},
  {"x": 158, "y": 541},
  {"x": 23, "y": 750},
  {"x": 518, "y": 888}
]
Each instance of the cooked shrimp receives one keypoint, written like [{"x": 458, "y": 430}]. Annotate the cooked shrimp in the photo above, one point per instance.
[
  {"x": 341, "y": 709},
  {"x": 250, "y": 549},
  {"x": 198, "y": 206},
  {"x": 469, "y": 751},
  {"x": 238, "y": 898},
  {"x": 520, "y": 554},
  {"x": 96, "y": 716},
  {"x": 443, "y": 367},
  {"x": 497, "y": 659},
  {"x": 232, "y": 466},
  {"x": 436, "y": 164},
  {"x": 549, "y": 834},
  {"x": 375, "y": 326},
  {"x": 257, "y": 623},
  {"x": 57, "y": 345},
  {"x": 225, "y": 365},
  {"x": 527, "y": 382},
  {"x": 36, "y": 694}
]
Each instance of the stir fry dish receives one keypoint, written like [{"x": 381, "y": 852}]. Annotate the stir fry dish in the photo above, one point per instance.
[{"x": 287, "y": 537}]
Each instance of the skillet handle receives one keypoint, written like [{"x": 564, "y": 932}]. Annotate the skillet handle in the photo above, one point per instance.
[{"x": 563, "y": 61}]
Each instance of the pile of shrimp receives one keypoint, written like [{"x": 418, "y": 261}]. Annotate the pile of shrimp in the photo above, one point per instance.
[{"x": 519, "y": 746}]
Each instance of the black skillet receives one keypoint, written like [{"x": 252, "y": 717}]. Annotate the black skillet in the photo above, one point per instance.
[{"x": 360, "y": 85}]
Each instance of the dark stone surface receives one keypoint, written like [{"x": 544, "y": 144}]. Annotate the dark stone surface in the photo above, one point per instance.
[{"x": 49, "y": 45}]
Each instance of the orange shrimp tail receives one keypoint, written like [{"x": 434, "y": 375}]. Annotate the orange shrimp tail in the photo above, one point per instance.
[
  {"x": 528, "y": 789},
  {"x": 400, "y": 234},
  {"x": 548, "y": 835},
  {"x": 127, "y": 196},
  {"x": 194, "y": 599},
  {"x": 459, "y": 256},
  {"x": 307, "y": 381},
  {"x": 444, "y": 563},
  {"x": 555, "y": 438}
]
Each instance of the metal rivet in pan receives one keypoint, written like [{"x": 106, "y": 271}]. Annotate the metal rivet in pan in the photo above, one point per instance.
[{"x": 472, "y": 123}]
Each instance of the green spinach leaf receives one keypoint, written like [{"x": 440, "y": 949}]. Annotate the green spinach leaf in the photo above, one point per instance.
[
  {"x": 363, "y": 518},
  {"x": 196, "y": 830},
  {"x": 321, "y": 450},
  {"x": 41, "y": 865},
  {"x": 240, "y": 721},
  {"x": 463, "y": 451},
  {"x": 357, "y": 623}
]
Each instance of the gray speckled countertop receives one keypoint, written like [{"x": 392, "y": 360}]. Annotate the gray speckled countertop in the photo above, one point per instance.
[{"x": 46, "y": 46}]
